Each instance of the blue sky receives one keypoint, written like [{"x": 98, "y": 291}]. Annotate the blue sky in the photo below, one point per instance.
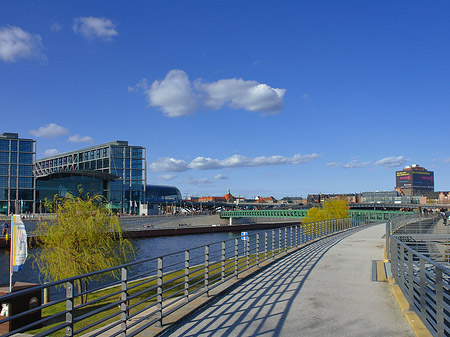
[{"x": 282, "y": 98}]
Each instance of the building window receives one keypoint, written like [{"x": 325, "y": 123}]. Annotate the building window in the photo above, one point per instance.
[
  {"x": 4, "y": 169},
  {"x": 14, "y": 145},
  {"x": 25, "y": 182},
  {"x": 3, "y": 181},
  {"x": 4, "y": 145},
  {"x": 136, "y": 153},
  {"x": 4, "y": 157},
  {"x": 26, "y": 158},
  {"x": 25, "y": 146},
  {"x": 26, "y": 170}
]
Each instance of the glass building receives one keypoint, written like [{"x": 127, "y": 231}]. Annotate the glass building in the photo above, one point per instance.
[
  {"x": 17, "y": 186},
  {"x": 115, "y": 170},
  {"x": 156, "y": 194}
]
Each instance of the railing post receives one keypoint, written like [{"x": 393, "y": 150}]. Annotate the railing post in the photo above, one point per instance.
[
  {"x": 236, "y": 256},
  {"x": 439, "y": 303},
  {"x": 273, "y": 244},
  {"x": 247, "y": 252},
  {"x": 265, "y": 245},
  {"x": 402, "y": 269},
  {"x": 207, "y": 269},
  {"x": 410, "y": 280},
  {"x": 290, "y": 235},
  {"x": 124, "y": 299},
  {"x": 423, "y": 300},
  {"x": 279, "y": 240},
  {"x": 222, "y": 274},
  {"x": 257, "y": 250},
  {"x": 69, "y": 308},
  {"x": 159, "y": 291},
  {"x": 296, "y": 235},
  {"x": 186, "y": 275},
  {"x": 285, "y": 239}
]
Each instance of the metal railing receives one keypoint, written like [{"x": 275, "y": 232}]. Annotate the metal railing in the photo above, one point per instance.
[
  {"x": 132, "y": 297},
  {"x": 301, "y": 213},
  {"x": 417, "y": 249}
]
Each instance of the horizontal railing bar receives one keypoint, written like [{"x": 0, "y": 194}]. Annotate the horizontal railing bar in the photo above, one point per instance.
[
  {"x": 143, "y": 301},
  {"x": 104, "y": 319}
]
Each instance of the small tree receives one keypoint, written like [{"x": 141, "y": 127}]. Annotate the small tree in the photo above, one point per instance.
[
  {"x": 331, "y": 209},
  {"x": 84, "y": 237}
]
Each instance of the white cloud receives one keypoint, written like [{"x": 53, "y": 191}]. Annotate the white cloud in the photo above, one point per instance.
[
  {"x": 389, "y": 162},
  {"x": 167, "y": 177},
  {"x": 79, "y": 139},
  {"x": 142, "y": 85},
  {"x": 15, "y": 43},
  {"x": 203, "y": 163},
  {"x": 91, "y": 28},
  {"x": 177, "y": 96},
  {"x": 51, "y": 152},
  {"x": 356, "y": 164},
  {"x": 167, "y": 164},
  {"x": 220, "y": 177},
  {"x": 240, "y": 94},
  {"x": 174, "y": 95},
  {"x": 200, "y": 181},
  {"x": 50, "y": 131},
  {"x": 55, "y": 27},
  {"x": 335, "y": 164}
]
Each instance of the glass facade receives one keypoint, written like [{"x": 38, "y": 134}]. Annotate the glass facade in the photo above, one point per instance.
[
  {"x": 160, "y": 194},
  {"x": 125, "y": 162},
  {"x": 60, "y": 184},
  {"x": 16, "y": 174}
]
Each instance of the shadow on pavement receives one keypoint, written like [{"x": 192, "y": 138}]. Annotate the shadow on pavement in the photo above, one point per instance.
[{"x": 258, "y": 305}]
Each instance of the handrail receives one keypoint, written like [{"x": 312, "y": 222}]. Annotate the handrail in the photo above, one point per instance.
[
  {"x": 174, "y": 280},
  {"x": 425, "y": 282}
]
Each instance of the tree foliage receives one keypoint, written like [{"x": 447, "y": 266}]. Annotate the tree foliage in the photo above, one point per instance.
[
  {"x": 331, "y": 209},
  {"x": 84, "y": 237}
]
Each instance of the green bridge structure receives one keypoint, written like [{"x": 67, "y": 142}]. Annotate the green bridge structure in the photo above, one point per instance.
[{"x": 370, "y": 215}]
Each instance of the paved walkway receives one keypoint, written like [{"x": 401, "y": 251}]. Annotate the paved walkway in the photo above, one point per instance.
[{"x": 325, "y": 289}]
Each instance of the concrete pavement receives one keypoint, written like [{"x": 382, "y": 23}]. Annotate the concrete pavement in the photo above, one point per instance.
[{"x": 324, "y": 289}]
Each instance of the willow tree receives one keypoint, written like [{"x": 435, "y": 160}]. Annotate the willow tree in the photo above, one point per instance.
[{"x": 84, "y": 237}]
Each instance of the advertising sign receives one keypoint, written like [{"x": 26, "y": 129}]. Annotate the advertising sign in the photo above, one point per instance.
[
  {"x": 423, "y": 179},
  {"x": 415, "y": 179},
  {"x": 403, "y": 179}
]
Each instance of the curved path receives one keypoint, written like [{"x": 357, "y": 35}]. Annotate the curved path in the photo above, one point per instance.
[{"x": 324, "y": 289}]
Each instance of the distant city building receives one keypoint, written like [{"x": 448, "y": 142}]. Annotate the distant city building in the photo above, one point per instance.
[
  {"x": 415, "y": 181},
  {"x": 319, "y": 198},
  {"x": 388, "y": 197},
  {"x": 115, "y": 170},
  {"x": 264, "y": 200},
  {"x": 16, "y": 174},
  {"x": 226, "y": 198}
]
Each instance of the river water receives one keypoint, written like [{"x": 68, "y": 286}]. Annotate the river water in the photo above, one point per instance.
[{"x": 145, "y": 248}]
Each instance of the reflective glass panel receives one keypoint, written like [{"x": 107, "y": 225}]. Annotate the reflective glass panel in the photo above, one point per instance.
[
  {"x": 4, "y": 169},
  {"x": 25, "y": 146},
  {"x": 4, "y": 145},
  {"x": 4, "y": 157},
  {"x": 3, "y": 181},
  {"x": 25, "y": 158},
  {"x": 25, "y": 170}
]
